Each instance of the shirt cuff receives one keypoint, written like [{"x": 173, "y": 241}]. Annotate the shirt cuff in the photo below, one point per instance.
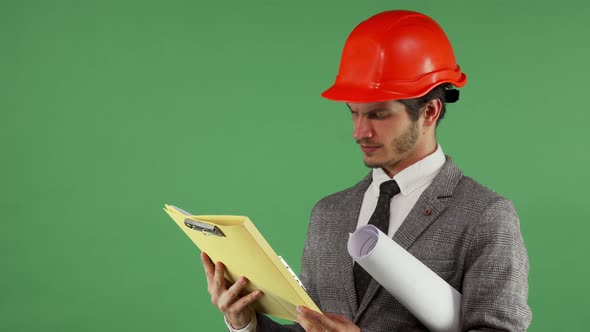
[{"x": 251, "y": 327}]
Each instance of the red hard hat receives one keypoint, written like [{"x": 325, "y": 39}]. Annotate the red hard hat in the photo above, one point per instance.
[{"x": 396, "y": 54}]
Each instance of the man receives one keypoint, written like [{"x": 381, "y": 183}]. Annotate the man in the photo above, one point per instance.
[{"x": 396, "y": 76}]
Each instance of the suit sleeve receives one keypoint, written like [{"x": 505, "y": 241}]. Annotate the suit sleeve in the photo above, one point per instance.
[{"x": 495, "y": 282}]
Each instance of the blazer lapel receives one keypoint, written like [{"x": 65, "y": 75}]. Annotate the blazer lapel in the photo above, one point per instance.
[
  {"x": 350, "y": 213},
  {"x": 428, "y": 207}
]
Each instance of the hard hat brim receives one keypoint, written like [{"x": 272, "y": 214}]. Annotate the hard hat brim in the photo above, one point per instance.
[{"x": 355, "y": 94}]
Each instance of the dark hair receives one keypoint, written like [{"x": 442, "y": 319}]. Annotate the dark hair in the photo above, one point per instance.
[{"x": 444, "y": 92}]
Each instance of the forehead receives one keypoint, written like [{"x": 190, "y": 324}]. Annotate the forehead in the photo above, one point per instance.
[{"x": 392, "y": 105}]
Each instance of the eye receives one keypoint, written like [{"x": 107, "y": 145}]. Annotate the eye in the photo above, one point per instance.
[{"x": 379, "y": 114}]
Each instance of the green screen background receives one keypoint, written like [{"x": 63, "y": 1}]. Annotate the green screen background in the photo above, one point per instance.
[{"x": 110, "y": 109}]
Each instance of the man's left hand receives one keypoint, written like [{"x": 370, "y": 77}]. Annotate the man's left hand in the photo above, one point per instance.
[{"x": 313, "y": 321}]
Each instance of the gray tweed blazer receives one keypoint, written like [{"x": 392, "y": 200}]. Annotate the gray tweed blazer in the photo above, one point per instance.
[{"x": 464, "y": 232}]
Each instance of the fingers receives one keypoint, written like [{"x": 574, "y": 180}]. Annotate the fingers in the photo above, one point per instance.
[
  {"x": 336, "y": 317},
  {"x": 314, "y": 317},
  {"x": 227, "y": 297},
  {"x": 209, "y": 267},
  {"x": 311, "y": 321},
  {"x": 215, "y": 274},
  {"x": 219, "y": 277},
  {"x": 246, "y": 300},
  {"x": 308, "y": 326},
  {"x": 234, "y": 291}
]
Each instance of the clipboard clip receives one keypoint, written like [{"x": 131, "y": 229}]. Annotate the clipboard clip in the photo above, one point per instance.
[{"x": 206, "y": 229}]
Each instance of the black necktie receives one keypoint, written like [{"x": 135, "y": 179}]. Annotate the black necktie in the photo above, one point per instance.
[{"x": 380, "y": 219}]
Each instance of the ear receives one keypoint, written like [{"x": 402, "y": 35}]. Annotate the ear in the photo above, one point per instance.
[{"x": 432, "y": 112}]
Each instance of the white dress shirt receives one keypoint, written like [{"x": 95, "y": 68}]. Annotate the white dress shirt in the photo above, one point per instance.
[
  {"x": 251, "y": 327},
  {"x": 412, "y": 182}
]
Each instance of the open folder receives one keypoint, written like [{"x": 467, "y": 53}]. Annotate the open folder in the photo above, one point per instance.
[{"x": 235, "y": 241}]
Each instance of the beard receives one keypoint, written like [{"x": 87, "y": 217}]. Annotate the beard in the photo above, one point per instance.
[{"x": 401, "y": 146}]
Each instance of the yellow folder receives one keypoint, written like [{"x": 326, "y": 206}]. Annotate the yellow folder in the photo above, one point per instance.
[{"x": 235, "y": 241}]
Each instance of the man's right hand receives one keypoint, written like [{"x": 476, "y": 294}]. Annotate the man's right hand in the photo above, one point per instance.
[{"x": 229, "y": 300}]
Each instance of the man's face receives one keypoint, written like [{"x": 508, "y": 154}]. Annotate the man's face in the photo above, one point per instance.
[{"x": 385, "y": 133}]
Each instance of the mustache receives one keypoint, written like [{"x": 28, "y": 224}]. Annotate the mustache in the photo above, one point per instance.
[{"x": 366, "y": 142}]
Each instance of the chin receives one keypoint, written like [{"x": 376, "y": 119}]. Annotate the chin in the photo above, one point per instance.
[
  {"x": 381, "y": 163},
  {"x": 374, "y": 163}
]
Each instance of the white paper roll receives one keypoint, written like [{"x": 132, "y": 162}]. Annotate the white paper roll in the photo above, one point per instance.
[{"x": 426, "y": 295}]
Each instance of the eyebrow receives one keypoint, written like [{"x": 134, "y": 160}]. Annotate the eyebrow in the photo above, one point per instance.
[{"x": 377, "y": 109}]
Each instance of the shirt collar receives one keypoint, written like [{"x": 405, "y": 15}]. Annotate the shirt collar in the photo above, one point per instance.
[{"x": 413, "y": 177}]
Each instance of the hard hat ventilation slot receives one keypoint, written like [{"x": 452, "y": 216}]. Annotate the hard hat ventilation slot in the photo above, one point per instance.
[{"x": 414, "y": 19}]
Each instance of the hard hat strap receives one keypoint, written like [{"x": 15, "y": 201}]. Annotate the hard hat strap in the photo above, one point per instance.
[{"x": 451, "y": 95}]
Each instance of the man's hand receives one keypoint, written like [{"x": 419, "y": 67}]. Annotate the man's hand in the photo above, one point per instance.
[
  {"x": 228, "y": 300},
  {"x": 312, "y": 321}
]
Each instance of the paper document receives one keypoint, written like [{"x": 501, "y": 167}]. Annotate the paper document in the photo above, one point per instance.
[
  {"x": 235, "y": 241},
  {"x": 425, "y": 294}
]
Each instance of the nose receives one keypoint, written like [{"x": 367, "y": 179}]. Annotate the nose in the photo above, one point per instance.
[{"x": 361, "y": 128}]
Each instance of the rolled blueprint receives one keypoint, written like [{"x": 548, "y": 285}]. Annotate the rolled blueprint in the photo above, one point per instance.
[{"x": 426, "y": 295}]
